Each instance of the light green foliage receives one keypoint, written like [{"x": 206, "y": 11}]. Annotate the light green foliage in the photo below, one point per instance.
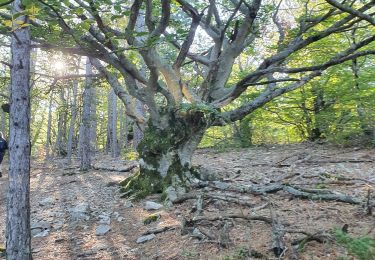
[{"x": 363, "y": 247}]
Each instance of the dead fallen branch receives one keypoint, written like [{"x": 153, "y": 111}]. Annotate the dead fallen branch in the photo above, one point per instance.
[
  {"x": 158, "y": 230},
  {"x": 229, "y": 216},
  {"x": 127, "y": 169},
  {"x": 278, "y": 232}
]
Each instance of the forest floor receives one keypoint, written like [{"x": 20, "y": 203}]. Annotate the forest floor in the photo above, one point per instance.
[{"x": 68, "y": 207}]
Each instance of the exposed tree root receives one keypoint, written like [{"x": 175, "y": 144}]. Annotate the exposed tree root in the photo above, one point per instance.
[{"x": 298, "y": 192}]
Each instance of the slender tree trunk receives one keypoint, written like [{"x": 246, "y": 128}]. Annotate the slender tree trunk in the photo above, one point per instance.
[
  {"x": 72, "y": 122},
  {"x": 123, "y": 140},
  {"x": 86, "y": 123},
  {"x": 366, "y": 127},
  {"x": 61, "y": 126},
  {"x": 3, "y": 121},
  {"x": 18, "y": 241},
  {"x": 114, "y": 148},
  {"x": 108, "y": 146},
  {"x": 93, "y": 126},
  {"x": 49, "y": 125}
]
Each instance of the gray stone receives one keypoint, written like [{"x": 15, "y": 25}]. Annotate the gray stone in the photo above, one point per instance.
[
  {"x": 221, "y": 185},
  {"x": 128, "y": 204},
  {"x": 36, "y": 231},
  {"x": 119, "y": 219},
  {"x": 150, "y": 205},
  {"x": 171, "y": 193},
  {"x": 80, "y": 212},
  {"x": 40, "y": 225},
  {"x": 46, "y": 202},
  {"x": 42, "y": 234},
  {"x": 144, "y": 239},
  {"x": 197, "y": 233},
  {"x": 104, "y": 219},
  {"x": 102, "y": 230}
]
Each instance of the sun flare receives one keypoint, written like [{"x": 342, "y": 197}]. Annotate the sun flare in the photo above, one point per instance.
[{"x": 59, "y": 65}]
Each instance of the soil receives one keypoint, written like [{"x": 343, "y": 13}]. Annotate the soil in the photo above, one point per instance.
[{"x": 348, "y": 171}]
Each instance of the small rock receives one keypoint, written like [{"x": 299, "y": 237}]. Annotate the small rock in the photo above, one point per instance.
[
  {"x": 102, "y": 230},
  {"x": 144, "y": 239},
  {"x": 36, "y": 231},
  {"x": 150, "y": 205},
  {"x": 197, "y": 233},
  {"x": 119, "y": 219},
  {"x": 80, "y": 212},
  {"x": 128, "y": 204},
  {"x": 104, "y": 219},
  {"x": 171, "y": 193},
  {"x": 42, "y": 234},
  {"x": 221, "y": 185},
  {"x": 46, "y": 202},
  {"x": 115, "y": 214},
  {"x": 40, "y": 225}
]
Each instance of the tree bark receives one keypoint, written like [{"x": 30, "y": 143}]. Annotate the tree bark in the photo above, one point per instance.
[
  {"x": 165, "y": 154},
  {"x": 61, "y": 126},
  {"x": 94, "y": 125},
  {"x": 137, "y": 132},
  {"x": 18, "y": 241},
  {"x": 85, "y": 146},
  {"x": 114, "y": 142},
  {"x": 49, "y": 125},
  {"x": 72, "y": 122}
]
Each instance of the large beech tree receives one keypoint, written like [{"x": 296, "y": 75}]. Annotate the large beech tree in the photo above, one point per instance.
[{"x": 180, "y": 63}]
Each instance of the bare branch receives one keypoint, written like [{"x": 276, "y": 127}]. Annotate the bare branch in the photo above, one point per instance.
[
  {"x": 164, "y": 21},
  {"x": 352, "y": 11}
]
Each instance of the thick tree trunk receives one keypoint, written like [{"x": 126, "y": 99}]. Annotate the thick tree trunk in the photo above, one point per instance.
[
  {"x": 165, "y": 157},
  {"x": 18, "y": 246}
]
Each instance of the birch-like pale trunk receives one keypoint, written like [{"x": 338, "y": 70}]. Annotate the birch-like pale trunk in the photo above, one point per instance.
[{"x": 18, "y": 237}]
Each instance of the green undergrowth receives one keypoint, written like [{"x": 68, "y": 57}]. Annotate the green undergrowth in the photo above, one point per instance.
[{"x": 363, "y": 248}]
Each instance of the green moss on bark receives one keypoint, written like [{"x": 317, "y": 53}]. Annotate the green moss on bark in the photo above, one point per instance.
[{"x": 160, "y": 162}]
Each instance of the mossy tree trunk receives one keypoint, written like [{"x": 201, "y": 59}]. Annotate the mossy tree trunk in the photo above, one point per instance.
[{"x": 165, "y": 155}]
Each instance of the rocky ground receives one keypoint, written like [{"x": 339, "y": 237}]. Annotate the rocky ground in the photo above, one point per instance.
[{"x": 81, "y": 215}]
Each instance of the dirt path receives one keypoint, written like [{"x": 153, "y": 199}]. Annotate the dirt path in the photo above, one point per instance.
[{"x": 68, "y": 207}]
